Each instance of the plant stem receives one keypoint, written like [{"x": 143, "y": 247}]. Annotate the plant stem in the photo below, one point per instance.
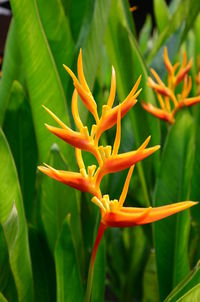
[{"x": 100, "y": 233}]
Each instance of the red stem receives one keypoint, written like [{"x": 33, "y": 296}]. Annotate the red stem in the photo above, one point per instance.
[{"x": 100, "y": 233}]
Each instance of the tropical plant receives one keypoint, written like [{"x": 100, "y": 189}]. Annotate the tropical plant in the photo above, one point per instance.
[{"x": 48, "y": 229}]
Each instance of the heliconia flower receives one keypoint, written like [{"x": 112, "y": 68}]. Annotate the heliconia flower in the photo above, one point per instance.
[
  {"x": 113, "y": 214},
  {"x": 109, "y": 114},
  {"x": 160, "y": 113},
  {"x": 88, "y": 179},
  {"x": 81, "y": 182},
  {"x": 184, "y": 71},
  {"x": 130, "y": 216},
  {"x": 167, "y": 62},
  {"x": 161, "y": 89},
  {"x": 169, "y": 102},
  {"x": 191, "y": 101},
  {"x": 83, "y": 89}
]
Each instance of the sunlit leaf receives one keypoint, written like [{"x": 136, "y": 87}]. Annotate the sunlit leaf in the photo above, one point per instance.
[
  {"x": 161, "y": 14},
  {"x": 2, "y": 298},
  {"x": 192, "y": 295},
  {"x": 43, "y": 81},
  {"x": 14, "y": 224},
  {"x": 185, "y": 286},
  {"x": 183, "y": 18},
  {"x": 58, "y": 34}
]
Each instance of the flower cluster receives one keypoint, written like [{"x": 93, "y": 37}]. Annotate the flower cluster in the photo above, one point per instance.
[
  {"x": 109, "y": 161},
  {"x": 169, "y": 100},
  {"x": 88, "y": 179}
]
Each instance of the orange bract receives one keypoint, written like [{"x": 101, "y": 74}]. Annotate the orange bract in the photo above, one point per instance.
[
  {"x": 109, "y": 161},
  {"x": 169, "y": 101}
]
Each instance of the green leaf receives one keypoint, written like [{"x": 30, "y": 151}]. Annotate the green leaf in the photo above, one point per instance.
[
  {"x": 14, "y": 224},
  {"x": 76, "y": 11},
  {"x": 172, "y": 185},
  {"x": 150, "y": 285},
  {"x": 10, "y": 69},
  {"x": 58, "y": 200},
  {"x": 118, "y": 34},
  {"x": 44, "y": 274},
  {"x": 43, "y": 81},
  {"x": 136, "y": 255},
  {"x": 19, "y": 130},
  {"x": 185, "y": 286},
  {"x": 2, "y": 298},
  {"x": 145, "y": 35},
  {"x": 193, "y": 12},
  {"x": 197, "y": 38},
  {"x": 93, "y": 45},
  {"x": 195, "y": 190},
  {"x": 161, "y": 14},
  {"x": 69, "y": 287},
  {"x": 58, "y": 34},
  {"x": 173, "y": 5},
  {"x": 7, "y": 284},
  {"x": 192, "y": 295},
  {"x": 182, "y": 19}
]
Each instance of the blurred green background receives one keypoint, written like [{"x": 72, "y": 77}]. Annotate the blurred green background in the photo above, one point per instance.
[{"x": 47, "y": 229}]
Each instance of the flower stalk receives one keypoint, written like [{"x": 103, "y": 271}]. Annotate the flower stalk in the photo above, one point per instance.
[{"x": 100, "y": 233}]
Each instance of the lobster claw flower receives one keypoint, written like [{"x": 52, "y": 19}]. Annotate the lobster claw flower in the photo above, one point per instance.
[
  {"x": 113, "y": 214},
  {"x": 82, "y": 88},
  {"x": 160, "y": 113},
  {"x": 167, "y": 62},
  {"x": 130, "y": 216},
  {"x": 125, "y": 160},
  {"x": 191, "y": 101},
  {"x": 109, "y": 116},
  {"x": 161, "y": 89},
  {"x": 183, "y": 72},
  {"x": 169, "y": 102},
  {"x": 72, "y": 179},
  {"x": 76, "y": 139},
  {"x": 117, "y": 162}
]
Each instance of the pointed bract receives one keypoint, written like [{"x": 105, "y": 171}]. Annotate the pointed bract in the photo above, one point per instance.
[
  {"x": 126, "y": 217},
  {"x": 160, "y": 113},
  {"x": 72, "y": 179}
]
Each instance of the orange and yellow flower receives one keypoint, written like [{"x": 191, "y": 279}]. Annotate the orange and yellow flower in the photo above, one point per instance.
[
  {"x": 88, "y": 179},
  {"x": 170, "y": 102}
]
